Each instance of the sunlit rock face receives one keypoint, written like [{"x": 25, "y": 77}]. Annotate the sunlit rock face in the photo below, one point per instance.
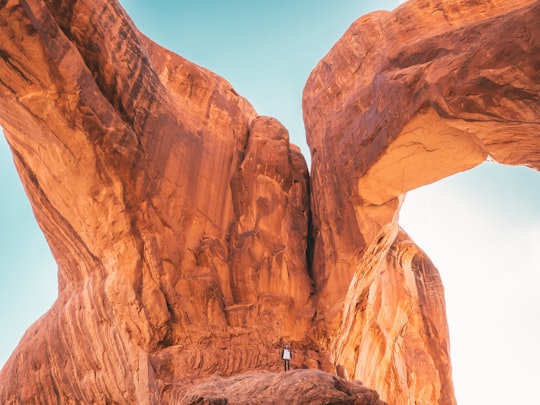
[
  {"x": 404, "y": 99},
  {"x": 189, "y": 236}
]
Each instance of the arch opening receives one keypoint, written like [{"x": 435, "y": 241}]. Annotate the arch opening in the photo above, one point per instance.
[{"x": 481, "y": 229}]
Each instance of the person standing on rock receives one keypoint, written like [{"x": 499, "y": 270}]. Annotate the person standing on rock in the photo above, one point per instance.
[{"x": 286, "y": 355}]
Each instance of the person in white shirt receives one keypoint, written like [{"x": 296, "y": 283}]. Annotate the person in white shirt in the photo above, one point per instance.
[{"x": 286, "y": 355}]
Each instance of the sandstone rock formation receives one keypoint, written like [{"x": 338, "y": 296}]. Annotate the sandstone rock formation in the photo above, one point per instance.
[
  {"x": 403, "y": 99},
  {"x": 178, "y": 218},
  {"x": 191, "y": 240}
]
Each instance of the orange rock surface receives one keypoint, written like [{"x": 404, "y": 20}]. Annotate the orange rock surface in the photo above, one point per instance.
[
  {"x": 177, "y": 216},
  {"x": 191, "y": 239}
]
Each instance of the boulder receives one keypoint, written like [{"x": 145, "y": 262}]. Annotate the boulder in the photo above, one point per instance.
[{"x": 403, "y": 99}]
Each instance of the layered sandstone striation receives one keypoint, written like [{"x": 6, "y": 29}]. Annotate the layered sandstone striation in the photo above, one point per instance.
[{"x": 190, "y": 238}]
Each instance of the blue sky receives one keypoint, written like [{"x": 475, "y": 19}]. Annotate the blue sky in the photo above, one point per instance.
[{"x": 481, "y": 228}]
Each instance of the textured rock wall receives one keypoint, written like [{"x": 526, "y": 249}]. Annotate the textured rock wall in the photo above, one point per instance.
[
  {"x": 178, "y": 218},
  {"x": 403, "y": 99}
]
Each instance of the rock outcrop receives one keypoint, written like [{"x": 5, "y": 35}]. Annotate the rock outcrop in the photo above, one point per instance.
[
  {"x": 298, "y": 386},
  {"x": 189, "y": 236}
]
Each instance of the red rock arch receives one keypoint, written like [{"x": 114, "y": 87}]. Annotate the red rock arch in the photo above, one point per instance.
[{"x": 404, "y": 99}]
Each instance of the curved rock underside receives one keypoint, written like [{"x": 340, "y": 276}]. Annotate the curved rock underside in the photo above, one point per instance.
[{"x": 191, "y": 239}]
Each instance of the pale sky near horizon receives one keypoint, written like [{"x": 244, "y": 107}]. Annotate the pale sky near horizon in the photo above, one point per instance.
[{"x": 481, "y": 228}]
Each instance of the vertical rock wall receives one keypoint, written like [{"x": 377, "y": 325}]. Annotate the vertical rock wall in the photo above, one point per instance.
[{"x": 178, "y": 218}]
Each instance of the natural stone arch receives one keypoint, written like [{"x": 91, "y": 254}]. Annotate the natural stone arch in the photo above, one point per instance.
[{"x": 402, "y": 100}]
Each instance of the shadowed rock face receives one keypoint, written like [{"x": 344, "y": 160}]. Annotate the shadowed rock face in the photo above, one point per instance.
[{"x": 182, "y": 221}]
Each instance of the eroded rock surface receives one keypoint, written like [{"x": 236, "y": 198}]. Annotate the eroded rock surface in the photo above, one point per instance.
[{"x": 189, "y": 236}]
